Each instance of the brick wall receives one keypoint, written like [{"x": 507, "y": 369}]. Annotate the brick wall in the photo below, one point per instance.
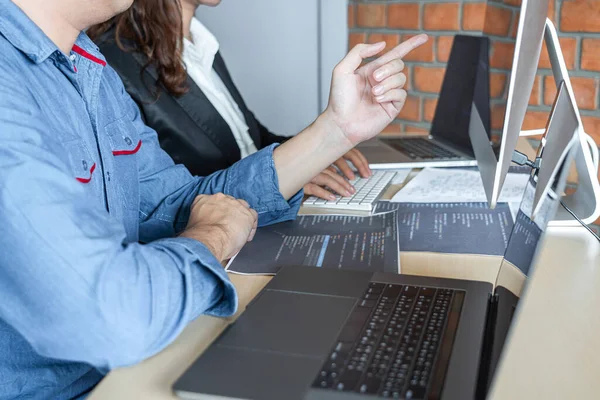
[{"x": 578, "y": 22}]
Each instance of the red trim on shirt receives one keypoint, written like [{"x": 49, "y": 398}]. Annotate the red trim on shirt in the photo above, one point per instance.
[
  {"x": 127, "y": 152},
  {"x": 87, "y": 180},
  {"x": 87, "y": 55}
]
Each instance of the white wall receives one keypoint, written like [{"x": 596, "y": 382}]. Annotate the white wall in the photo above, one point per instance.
[{"x": 276, "y": 51}]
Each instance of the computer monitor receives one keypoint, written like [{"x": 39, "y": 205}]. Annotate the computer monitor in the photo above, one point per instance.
[{"x": 511, "y": 104}]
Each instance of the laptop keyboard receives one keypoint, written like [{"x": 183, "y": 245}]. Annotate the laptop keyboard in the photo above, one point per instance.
[
  {"x": 422, "y": 149},
  {"x": 392, "y": 341}
]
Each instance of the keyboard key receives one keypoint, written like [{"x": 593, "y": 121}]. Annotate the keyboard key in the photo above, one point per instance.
[
  {"x": 348, "y": 380},
  {"x": 370, "y": 385}
]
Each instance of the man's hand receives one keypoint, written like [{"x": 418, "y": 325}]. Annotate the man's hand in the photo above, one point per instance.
[
  {"x": 336, "y": 182},
  {"x": 364, "y": 100},
  {"x": 222, "y": 223}
]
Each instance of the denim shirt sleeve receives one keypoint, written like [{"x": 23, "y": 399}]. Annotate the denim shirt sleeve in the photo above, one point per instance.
[
  {"x": 168, "y": 190},
  {"x": 70, "y": 284}
]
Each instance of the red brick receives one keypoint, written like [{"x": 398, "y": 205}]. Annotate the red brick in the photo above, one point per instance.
[
  {"x": 408, "y": 72},
  {"x": 535, "y": 120},
  {"x": 415, "y": 130},
  {"x": 585, "y": 89},
  {"x": 580, "y": 16},
  {"x": 586, "y": 92},
  {"x": 497, "y": 21},
  {"x": 513, "y": 2},
  {"x": 534, "y": 98},
  {"x": 515, "y": 25},
  {"x": 591, "y": 125},
  {"x": 428, "y": 79},
  {"x": 568, "y": 46},
  {"x": 392, "y": 129},
  {"x": 390, "y": 40},
  {"x": 411, "y": 110},
  {"x": 440, "y": 17},
  {"x": 473, "y": 16},
  {"x": 403, "y": 16},
  {"x": 423, "y": 53},
  {"x": 371, "y": 15},
  {"x": 351, "y": 16},
  {"x": 551, "y": 11},
  {"x": 498, "y": 112},
  {"x": 356, "y": 38},
  {"x": 444, "y": 45},
  {"x": 429, "y": 106},
  {"x": 497, "y": 121},
  {"x": 497, "y": 84},
  {"x": 502, "y": 55},
  {"x": 590, "y": 54}
]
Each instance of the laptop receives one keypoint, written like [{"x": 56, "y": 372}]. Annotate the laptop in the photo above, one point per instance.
[
  {"x": 466, "y": 81},
  {"x": 318, "y": 333}
]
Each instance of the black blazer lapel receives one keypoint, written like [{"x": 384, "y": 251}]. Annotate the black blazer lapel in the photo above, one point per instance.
[
  {"x": 221, "y": 70},
  {"x": 203, "y": 113}
]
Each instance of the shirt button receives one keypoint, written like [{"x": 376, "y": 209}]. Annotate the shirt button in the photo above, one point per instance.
[
  {"x": 128, "y": 141},
  {"x": 72, "y": 57},
  {"x": 84, "y": 164}
]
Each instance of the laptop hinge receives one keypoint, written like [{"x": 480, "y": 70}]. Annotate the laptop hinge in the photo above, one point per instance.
[{"x": 483, "y": 379}]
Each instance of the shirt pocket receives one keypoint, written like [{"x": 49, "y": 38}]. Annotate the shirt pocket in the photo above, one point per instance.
[
  {"x": 83, "y": 166},
  {"x": 125, "y": 143}
]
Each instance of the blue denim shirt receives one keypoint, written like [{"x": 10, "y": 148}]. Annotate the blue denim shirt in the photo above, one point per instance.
[{"x": 92, "y": 276}]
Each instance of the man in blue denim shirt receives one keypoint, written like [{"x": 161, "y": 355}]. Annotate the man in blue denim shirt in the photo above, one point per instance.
[{"x": 108, "y": 249}]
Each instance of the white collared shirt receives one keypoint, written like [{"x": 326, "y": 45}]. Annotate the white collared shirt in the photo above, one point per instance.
[{"x": 198, "y": 58}]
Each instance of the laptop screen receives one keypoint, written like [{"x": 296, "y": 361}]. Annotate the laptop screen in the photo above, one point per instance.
[
  {"x": 466, "y": 80},
  {"x": 524, "y": 241}
]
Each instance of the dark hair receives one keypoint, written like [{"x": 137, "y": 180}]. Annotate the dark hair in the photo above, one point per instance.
[{"x": 154, "y": 28}]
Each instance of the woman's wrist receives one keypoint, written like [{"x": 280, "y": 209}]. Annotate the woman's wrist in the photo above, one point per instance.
[{"x": 333, "y": 131}]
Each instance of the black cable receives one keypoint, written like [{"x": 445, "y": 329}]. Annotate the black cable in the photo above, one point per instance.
[{"x": 580, "y": 221}]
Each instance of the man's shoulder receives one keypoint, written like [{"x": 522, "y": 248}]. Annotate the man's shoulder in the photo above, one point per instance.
[
  {"x": 12, "y": 58},
  {"x": 13, "y": 65}
]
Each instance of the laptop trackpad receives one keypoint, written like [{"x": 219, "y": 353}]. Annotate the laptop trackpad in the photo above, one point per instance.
[{"x": 291, "y": 323}]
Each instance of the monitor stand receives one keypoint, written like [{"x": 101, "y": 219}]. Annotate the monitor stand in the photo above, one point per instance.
[{"x": 585, "y": 200}]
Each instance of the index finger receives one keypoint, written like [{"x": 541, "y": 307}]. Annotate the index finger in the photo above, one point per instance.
[{"x": 399, "y": 51}]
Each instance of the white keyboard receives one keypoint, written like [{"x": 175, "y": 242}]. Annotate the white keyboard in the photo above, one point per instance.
[{"x": 367, "y": 193}]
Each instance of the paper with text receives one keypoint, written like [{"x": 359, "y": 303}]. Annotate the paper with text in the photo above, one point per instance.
[{"x": 456, "y": 186}]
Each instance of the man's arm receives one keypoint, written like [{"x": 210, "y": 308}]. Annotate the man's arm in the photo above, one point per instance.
[
  {"x": 167, "y": 191},
  {"x": 69, "y": 283}
]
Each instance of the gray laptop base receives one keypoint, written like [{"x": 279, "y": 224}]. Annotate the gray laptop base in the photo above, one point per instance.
[
  {"x": 466, "y": 81},
  {"x": 279, "y": 344},
  {"x": 383, "y": 156}
]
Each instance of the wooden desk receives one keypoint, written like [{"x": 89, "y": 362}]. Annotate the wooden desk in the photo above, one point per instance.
[{"x": 553, "y": 351}]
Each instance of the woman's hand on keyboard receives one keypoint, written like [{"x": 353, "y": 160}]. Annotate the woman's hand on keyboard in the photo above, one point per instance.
[
  {"x": 332, "y": 180},
  {"x": 358, "y": 160},
  {"x": 339, "y": 183}
]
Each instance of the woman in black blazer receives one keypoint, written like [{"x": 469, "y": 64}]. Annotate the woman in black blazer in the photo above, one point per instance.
[{"x": 206, "y": 129}]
